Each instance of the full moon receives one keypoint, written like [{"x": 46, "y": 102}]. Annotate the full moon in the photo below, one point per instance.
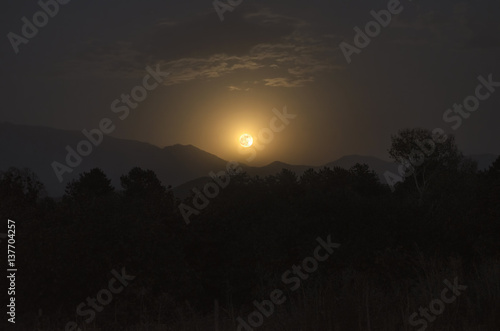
[{"x": 246, "y": 140}]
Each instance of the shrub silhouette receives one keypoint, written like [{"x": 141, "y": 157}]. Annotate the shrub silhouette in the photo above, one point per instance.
[{"x": 237, "y": 248}]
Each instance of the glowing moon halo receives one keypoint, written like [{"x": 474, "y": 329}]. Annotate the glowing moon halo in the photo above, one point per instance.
[{"x": 246, "y": 140}]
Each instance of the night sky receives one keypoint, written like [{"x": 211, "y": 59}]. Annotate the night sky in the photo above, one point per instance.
[{"x": 226, "y": 77}]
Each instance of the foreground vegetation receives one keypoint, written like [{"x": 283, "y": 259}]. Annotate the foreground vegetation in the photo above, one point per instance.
[{"x": 396, "y": 249}]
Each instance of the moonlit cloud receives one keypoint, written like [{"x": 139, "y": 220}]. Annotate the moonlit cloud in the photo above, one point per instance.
[{"x": 294, "y": 58}]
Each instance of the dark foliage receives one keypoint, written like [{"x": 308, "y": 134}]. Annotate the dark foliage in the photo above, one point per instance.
[{"x": 241, "y": 243}]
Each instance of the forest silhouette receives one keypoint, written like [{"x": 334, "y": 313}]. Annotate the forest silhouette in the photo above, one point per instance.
[{"x": 397, "y": 248}]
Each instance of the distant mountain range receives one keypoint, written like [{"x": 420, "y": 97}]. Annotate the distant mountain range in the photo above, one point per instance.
[{"x": 181, "y": 166}]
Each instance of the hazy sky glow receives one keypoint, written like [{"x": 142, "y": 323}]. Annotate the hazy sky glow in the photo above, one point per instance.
[{"x": 227, "y": 77}]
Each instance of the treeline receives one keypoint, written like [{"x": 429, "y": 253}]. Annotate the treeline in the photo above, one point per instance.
[{"x": 236, "y": 249}]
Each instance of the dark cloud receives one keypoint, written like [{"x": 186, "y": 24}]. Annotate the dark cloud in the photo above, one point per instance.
[{"x": 203, "y": 48}]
